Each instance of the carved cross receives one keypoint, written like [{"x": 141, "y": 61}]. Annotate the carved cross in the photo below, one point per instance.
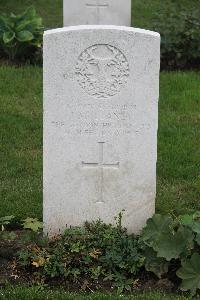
[
  {"x": 101, "y": 166},
  {"x": 97, "y": 5}
]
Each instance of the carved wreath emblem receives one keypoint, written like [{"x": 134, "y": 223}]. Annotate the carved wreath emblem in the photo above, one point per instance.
[{"x": 102, "y": 70}]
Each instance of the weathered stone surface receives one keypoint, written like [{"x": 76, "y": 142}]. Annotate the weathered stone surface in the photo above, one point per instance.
[
  {"x": 97, "y": 12},
  {"x": 101, "y": 86}
]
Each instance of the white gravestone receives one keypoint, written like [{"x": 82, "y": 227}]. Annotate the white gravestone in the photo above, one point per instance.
[
  {"x": 101, "y": 86},
  {"x": 97, "y": 12}
]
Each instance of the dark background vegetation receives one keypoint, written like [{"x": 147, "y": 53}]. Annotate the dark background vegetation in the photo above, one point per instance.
[
  {"x": 143, "y": 11},
  {"x": 177, "y": 21}
]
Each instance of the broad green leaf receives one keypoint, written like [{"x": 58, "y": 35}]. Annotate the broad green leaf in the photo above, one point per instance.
[
  {"x": 33, "y": 224},
  {"x": 172, "y": 245},
  {"x": 156, "y": 227},
  {"x": 8, "y": 22},
  {"x": 191, "y": 221},
  {"x": 4, "y": 28},
  {"x": 25, "y": 36},
  {"x": 157, "y": 265},
  {"x": 8, "y": 36},
  {"x": 29, "y": 14},
  {"x": 29, "y": 25},
  {"x": 4, "y": 20},
  {"x": 190, "y": 274},
  {"x": 22, "y": 25}
]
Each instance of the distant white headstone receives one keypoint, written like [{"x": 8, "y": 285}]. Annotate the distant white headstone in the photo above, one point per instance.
[
  {"x": 101, "y": 86},
  {"x": 97, "y": 12}
]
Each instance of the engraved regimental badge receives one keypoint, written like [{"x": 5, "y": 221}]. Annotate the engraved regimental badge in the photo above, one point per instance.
[{"x": 102, "y": 70}]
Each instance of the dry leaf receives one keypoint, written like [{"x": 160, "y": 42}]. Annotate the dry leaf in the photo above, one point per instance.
[{"x": 95, "y": 253}]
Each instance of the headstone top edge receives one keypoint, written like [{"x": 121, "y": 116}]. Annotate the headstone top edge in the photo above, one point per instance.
[{"x": 101, "y": 27}]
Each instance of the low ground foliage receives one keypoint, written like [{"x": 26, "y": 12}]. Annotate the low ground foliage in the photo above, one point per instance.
[
  {"x": 178, "y": 24},
  {"x": 143, "y": 12},
  {"x": 105, "y": 257}
]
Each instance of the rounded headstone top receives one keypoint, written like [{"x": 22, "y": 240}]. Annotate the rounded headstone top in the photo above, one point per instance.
[{"x": 102, "y": 27}]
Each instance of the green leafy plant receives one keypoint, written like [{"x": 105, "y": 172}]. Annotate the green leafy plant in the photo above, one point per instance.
[
  {"x": 96, "y": 251},
  {"x": 168, "y": 247},
  {"x": 155, "y": 264},
  {"x": 190, "y": 274},
  {"x": 32, "y": 224},
  {"x": 169, "y": 243},
  {"x": 180, "y": 34},
  {"x": 21, "y": 35}
]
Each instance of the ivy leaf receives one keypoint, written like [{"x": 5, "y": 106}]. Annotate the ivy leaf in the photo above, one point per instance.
[
  {"x": 156, "y": 227},
  {"x": 157, "y": 265},
  {"x": 32, "y": 224},
  {"x": 172, "y": 245},
  {"x": 190, "y": 274}
]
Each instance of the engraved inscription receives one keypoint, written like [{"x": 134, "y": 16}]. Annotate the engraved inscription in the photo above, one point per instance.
[
  {"x": 97, "y": 6},
  {"x": 102, "y": 70},
  {"x": 101, "y": 165},
  {"x": 111, "y": 119}
]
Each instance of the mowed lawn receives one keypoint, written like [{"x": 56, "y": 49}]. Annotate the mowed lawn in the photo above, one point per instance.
[
  {"x": 36, "y": 293},
  {"x": 178, "y": 182}
]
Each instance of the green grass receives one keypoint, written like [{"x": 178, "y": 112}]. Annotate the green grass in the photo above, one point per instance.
[
  {"x": 178, "y": 187},
  {"x": 178, "y": 184},
  {"x": 143, "y": 11},
  {"x": 22, "y": 293},
  {"x": 21, "y": 141}
]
